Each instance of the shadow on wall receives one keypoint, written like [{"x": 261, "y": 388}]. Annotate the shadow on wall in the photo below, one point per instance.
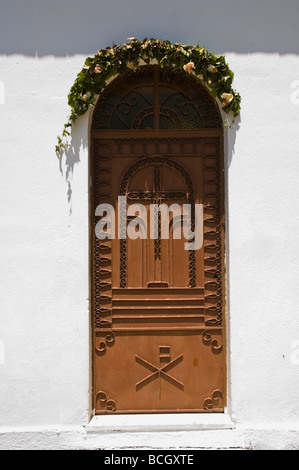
[
  {"x": 53, "y": 27},
  {"x": 230, "y": 140},
  {"x": 70, "y": 157}
]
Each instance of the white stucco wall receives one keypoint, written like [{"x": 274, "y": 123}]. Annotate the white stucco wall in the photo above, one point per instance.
[{"x": 44, "y": 288}]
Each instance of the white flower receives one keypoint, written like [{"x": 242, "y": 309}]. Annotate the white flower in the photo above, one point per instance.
[
  {"x": 212, "y": 69},
  {"x": 227, "y": 98},
  {"x": 98, "y": 68},
  {"x": 189, "y": 67},
  {"x": 146, "y": 43},
  {"x": 131, "y": 66},
  {"x": 86, "y": 96}
]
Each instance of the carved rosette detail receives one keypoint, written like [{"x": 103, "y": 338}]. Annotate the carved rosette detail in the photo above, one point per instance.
[
  {"x": 106, "y": 341},
  {"x": 104, "y": 402},
  {"x": 214, "y": 401},
  {"x": 209, "y": 340}
]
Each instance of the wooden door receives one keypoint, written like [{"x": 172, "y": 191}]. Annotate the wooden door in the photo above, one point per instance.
[{"x": 157, "y": 307}]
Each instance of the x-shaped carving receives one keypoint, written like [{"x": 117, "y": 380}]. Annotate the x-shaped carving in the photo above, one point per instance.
[{"x": 159, "y": 372}]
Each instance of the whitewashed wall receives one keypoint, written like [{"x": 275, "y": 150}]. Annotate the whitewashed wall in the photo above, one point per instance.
[{"x": 44, "y": 288}]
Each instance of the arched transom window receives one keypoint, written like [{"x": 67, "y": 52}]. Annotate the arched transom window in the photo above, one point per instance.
[{"x": 154, "y": 98}]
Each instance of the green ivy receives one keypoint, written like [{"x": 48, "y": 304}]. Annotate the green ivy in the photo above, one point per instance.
[{"x": 112, "y": 61}]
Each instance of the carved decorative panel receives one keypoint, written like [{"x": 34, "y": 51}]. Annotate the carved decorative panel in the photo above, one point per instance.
[{"x": 157, "y": 196}]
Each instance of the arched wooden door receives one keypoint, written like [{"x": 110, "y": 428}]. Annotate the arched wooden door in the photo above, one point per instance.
[{"x": 157, "y": 307}]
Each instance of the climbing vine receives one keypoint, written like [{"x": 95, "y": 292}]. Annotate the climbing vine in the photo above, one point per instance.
[{"x": 112, "y": 61}]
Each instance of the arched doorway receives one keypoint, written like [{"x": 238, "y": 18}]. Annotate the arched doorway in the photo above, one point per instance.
[{"x": 158, "y": 308}]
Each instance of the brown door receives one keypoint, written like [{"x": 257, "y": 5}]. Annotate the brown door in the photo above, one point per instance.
[{"x": 157, "y": 307}]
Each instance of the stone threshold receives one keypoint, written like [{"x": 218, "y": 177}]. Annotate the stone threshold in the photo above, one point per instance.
[{"x": 159, "y": 422}]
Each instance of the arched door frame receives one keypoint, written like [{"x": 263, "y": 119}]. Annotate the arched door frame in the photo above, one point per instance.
[{"x": 203, "y": 133}]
